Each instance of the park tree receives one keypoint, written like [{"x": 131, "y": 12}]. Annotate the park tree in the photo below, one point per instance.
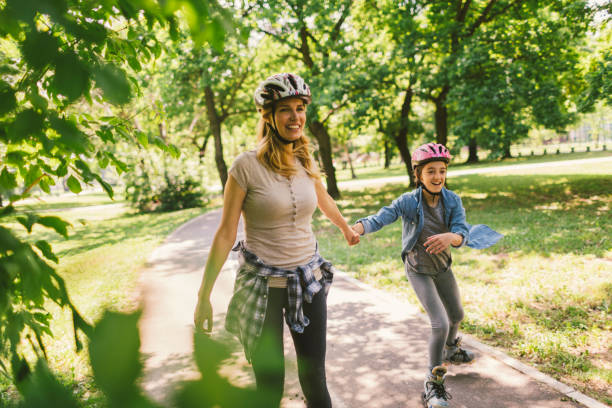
[
  {"x": 207, "y": 87},
  {"x": 530, "y": 47},
  {"x": 394, "y": 46},
  {"x": 62, "y": 61},
  {"x": 506, "y": 85},
  {"x": 598, "y": 58},
  {"x": 449, "y": 45},
  {"x": 318, "y": 36}
]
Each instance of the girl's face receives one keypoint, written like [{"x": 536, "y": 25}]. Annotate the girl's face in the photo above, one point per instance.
[
  {"x": 290, "y": 116},
  {"x": 433, "y": 176}
]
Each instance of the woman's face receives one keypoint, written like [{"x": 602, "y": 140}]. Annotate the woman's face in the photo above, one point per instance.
[
  {"x": 433, "y": 176},
  {"x": 290, "y": 116}
]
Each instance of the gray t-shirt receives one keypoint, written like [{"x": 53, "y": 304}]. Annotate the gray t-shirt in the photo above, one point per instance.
[{"x": 420, "y": 261}]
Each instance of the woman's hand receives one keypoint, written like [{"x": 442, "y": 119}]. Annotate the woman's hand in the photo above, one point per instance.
[
  {"x": 203, "y": 313},
  {"x": 352, "y": 237},
  {"x": 439, "y": 242},
  {"x": 358, "y": 228}
]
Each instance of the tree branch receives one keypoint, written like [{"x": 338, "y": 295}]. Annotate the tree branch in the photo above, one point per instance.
[
  {"x": 279, "y": 38},
  {"x": 335, "y": 109},
  {"x": 336, "y": 30},
  {"x": 485, "y": 17}
]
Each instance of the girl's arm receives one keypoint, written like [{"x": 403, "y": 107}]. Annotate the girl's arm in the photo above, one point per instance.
[
  {"x": 458, "y": 232},
  {"x": 222, "y": 244},
  {"x": 384, "y": 216},
  {"x": 458, "y": 224},
  {"x": 328, "y": 206}
]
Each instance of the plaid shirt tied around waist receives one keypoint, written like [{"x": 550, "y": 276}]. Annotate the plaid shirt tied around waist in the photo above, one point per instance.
[{"x": 247, "y": 308}]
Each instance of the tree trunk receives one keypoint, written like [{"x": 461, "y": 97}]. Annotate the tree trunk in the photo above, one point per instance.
[
  {"x": 387, "y": 154},
  {"x": 441, "y": 117},
  {"x": 350, "y": 162},
  {"x": 507, "y": 153},
  {"x": 215, "y": 127},
  {"x": 473, "y": 149},
  {"x": 401, "y": 138},
  {"x": 320, "y": 132}
]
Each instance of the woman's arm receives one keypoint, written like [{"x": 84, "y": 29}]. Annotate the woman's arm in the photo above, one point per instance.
[
  {"x": 328, "y": 206},
  {"x": 222, "y": 244}
]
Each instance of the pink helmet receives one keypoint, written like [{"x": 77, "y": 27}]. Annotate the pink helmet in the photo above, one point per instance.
[{"x": 430, "y": 152}]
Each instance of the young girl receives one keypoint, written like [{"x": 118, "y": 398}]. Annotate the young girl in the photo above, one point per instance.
[
  {"x": 433, "y": 219},
  {"x": 277, "y": 189}
]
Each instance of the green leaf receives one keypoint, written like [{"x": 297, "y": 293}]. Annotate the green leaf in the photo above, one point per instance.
[
  {"x": 40, "y": 49},
  {"x": 215, "y": 34},
  {"x": 8, "y": 180},
  {"x": 27, "y": 123},
  {"x": 71, "y": 78},
  {"x": 107, "y": 187},
  {"x": 37, "y": 101},
  {"x": 133, "y": 63},
  {"x": 114, "y": 84},
  {"x": 8, "y": 101},
  {"x": 70, "y": 136},
  {"x": 16, "y": 157},
  {"x": 74, "y": 185},
  {"x": 44, "y": 185},
  {"x": 62, "y": 169},
  {"x": 8, "y": 242},
  {"x": 23, "y": 9},
  {"x": 43, "y": 389},
  {"x": 143, "y": 138},
  {"x": 28, "y": 221},
  {"x": 114, "y": 354},
  {"x": 8, "y": 210},
  {"x": 32, "y": 176},
  {"x": 60, "y": 226},
  {"x": 46, "y": 250}
]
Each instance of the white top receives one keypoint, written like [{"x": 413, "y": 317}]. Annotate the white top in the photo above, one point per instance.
[{"x": 277, "y": 212}]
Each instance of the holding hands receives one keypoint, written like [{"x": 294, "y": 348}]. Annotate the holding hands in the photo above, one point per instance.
[
  {"x": 358, "y": 228},
  {"x": 352, "y": 237}
]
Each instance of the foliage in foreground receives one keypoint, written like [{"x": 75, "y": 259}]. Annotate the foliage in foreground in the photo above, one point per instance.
[
  {"x": 62, "y": 61},
  {"x": 117, "y": 367}
]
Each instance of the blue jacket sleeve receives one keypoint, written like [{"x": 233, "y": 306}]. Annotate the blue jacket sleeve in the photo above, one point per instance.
[
  {"x": 458, "y": 224},
  {"x": 384, "y": 216}
]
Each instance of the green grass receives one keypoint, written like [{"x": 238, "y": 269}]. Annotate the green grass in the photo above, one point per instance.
[
  {"x": 543, "y": 293},
  {"x": 100, "y": 262},
  {"x": 400, "y": 169}
]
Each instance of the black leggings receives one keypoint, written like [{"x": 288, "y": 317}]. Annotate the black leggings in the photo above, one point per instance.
[{"x": 268, "y": 357}]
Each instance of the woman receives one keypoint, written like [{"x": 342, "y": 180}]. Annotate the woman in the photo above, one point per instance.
[{"x": 277, "y": 188}]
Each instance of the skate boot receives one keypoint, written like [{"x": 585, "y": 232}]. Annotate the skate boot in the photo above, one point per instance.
[
  {"x": 454, "y": 354},
  {"x": 435, "y": 396}
]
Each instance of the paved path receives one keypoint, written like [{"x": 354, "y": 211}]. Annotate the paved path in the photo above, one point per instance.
[{"x": 376, "y": 342}]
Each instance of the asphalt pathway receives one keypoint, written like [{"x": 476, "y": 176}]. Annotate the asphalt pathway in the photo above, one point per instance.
[{"x": 377, "y": 343}]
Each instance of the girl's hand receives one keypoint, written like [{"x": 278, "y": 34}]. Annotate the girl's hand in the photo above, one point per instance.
[
  {"x": 440, "y": 242},
  {"x": 203, "y": 313},
  {"x": 352, "y": 237},
  {"x": 358, "y": 228}
]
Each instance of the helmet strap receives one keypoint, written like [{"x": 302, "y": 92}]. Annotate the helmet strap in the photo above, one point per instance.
[
  {"x": 425, "y": 188},
  {"x": 275, "y": 131}
]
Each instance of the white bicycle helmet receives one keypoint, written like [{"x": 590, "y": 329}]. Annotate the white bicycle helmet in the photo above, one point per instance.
[{"x": 280, "y": 86}]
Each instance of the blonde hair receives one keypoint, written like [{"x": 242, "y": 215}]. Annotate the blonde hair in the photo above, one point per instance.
[{"x": 271, "y": 152}]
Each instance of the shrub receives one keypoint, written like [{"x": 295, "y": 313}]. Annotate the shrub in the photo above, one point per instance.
[{"x": 149, "y": 189}]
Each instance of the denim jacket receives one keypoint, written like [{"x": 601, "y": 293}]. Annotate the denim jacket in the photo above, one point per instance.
[{"x": 409, "y": 206}]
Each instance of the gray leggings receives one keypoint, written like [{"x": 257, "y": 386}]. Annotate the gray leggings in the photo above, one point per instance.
[{"x": 439, "y": 295}]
